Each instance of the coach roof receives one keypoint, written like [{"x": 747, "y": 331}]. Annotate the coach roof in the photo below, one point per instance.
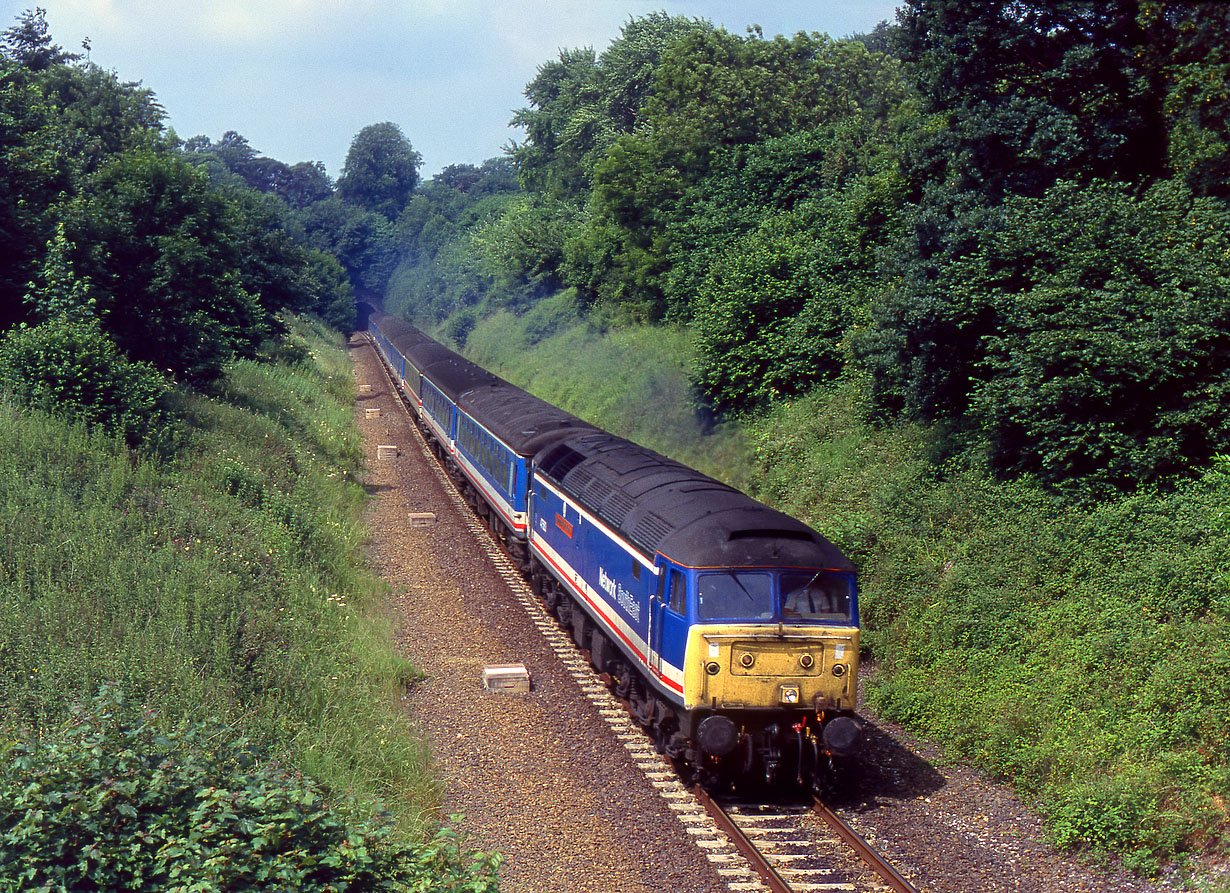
[{"x": 519, "y": 419}]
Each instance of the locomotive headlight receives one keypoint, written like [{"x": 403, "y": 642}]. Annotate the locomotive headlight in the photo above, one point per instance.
[
  {"x": 713, "y": 668},
  {"x": 839, "y": 670},
  {"x": 789, "y": 694},
  {"x": 806, "y": 661},
  {"x": 747, "y": 660}
]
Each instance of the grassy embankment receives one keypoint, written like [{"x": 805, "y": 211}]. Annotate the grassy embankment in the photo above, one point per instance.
[
  {"x": 1083, "y": 653},
  {"x": 225, "y": 582}
]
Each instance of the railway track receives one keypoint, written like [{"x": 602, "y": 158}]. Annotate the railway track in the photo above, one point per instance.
[
  {"x": 802, "y": 847},
  {"x": 793, "y": 848}
]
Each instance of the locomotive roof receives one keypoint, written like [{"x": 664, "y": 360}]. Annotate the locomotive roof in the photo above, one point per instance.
[
  {"x": 523, "y": 421},
  {"x": 663, "y": 506}
]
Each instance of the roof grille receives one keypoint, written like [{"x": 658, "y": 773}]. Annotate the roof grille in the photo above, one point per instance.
[
  {"x": 560, "y": 460},
  {"x": 597, "y": 491},
  {"x": 650, "y": 531},
  {"x": 617, "y": 506},
  {"x": 579, "y": 479}
]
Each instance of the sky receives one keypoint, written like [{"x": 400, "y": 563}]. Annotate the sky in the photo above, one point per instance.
[{"x": 299, "y": 78}]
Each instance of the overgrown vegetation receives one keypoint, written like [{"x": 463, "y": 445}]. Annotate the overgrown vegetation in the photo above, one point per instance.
[
  {"x": 111, "y": 802},
  {"x": 1078, "y": 651},
  {"x": 225, "y": 582},
  {"x": 181, "y": 521}
]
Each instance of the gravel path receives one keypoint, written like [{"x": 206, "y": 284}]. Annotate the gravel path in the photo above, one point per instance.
[{"x": 541, "y": 779}]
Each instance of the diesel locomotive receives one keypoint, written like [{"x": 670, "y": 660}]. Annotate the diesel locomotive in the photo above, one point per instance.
[{"x": 731, "y": 629}]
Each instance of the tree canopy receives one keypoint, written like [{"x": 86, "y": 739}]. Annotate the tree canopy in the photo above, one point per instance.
[{"x": 381, "y": 170}]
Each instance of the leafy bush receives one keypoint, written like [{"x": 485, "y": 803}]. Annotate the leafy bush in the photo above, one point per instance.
[
  {"x": 111, "y": 803},
  {"x": 69, "y": 366}
]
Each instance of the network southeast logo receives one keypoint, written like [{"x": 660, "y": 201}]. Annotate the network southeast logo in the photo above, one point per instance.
[{"x": 622, "y": 597}]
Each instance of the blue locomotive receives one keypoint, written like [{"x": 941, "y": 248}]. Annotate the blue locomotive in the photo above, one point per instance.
[{"x": 730, "y": 628}]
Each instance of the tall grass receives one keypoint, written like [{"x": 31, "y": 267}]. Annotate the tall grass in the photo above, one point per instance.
[{"x": 227, "y": 583}]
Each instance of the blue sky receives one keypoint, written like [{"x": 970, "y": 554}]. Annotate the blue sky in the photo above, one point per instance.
[{"x": 299, "y": 78}]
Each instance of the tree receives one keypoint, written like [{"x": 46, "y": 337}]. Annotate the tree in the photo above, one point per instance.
[
  {"x": 716, "y": 97},
  {"x": 580, "y": 103},
  {"x": 162, "y": 253},
  {"x": 308, "y": 183},
  {"x": 1112, "y": 360},
  {"x": 69, "y": 366},
  {"x": 363, "y": 241},
  {"x": 99, "y": 115},
  {"x": 381, "y": 170},
  {"x": 34, "y": 172},
  {"x": 1036, "y": 91},
  {"x": 29, "y": 43}
]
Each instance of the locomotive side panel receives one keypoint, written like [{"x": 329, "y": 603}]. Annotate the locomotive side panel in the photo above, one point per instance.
[{"x": 613, "y": 582}]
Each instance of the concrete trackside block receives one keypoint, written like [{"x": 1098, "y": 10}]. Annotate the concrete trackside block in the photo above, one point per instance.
[
  {"x": 386, "y": 451},
  {"x": 422, "y": 519},
  {"x": 511, "y": 678},
  {"x": 364, "y": 390},
  {"x": 374, "y": 413}
]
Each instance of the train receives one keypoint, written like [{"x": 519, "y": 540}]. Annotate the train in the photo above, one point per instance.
[{"x": 729, "y": 628}]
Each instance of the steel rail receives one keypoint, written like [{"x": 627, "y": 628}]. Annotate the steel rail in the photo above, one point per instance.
[{"x": 855, "y": 841}]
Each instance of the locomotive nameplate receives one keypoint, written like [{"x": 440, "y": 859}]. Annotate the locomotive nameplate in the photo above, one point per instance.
[{"x": 512, "y": 678}]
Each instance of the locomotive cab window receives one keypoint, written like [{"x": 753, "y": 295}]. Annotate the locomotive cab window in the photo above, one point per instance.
[
  {"x": 735, "y": 595},
  {"x": 815, "y": 596},
  {"x": 678, "y": 594}
]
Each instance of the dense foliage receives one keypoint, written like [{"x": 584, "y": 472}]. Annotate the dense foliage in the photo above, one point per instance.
[
  {"x": 933, "y": 203},
  {"x": 112, "y": 802},
  {"x": 70, "y": 367}
]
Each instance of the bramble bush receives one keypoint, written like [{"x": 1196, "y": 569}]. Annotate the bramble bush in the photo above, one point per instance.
[{"x": 110, "y": 802}]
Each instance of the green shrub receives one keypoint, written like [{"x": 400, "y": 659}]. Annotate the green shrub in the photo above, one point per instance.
[
  {"x": 70, "y": 367},
  {"x": 112, "y": 803}
]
